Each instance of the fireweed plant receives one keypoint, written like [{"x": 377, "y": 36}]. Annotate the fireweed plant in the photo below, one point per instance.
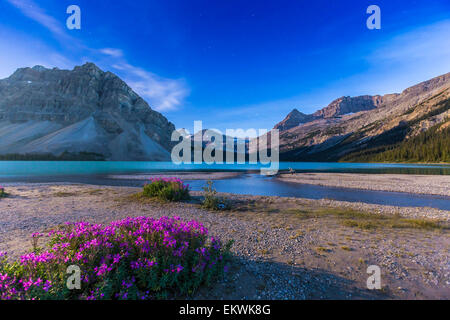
[
  {"x": 134, "y": 258},
  {"x": 167, "y": 189}
]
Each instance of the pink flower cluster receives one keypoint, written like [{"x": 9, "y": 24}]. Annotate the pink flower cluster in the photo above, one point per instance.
[
  {"x": 167, "y": 179},
  {"x": 141, "y": 248},
  {"x": 172, "y": 180}
]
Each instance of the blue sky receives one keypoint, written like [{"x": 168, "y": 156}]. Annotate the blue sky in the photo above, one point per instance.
[{"x": 235, "y": 64}]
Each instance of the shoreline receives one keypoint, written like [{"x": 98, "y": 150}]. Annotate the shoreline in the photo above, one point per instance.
[
  {"x": 350, "y": 189},
  {"x": 376, "y": 209},
  {"x": 407, "y": 183},
  {"x": 280, "y": 251},
  {"x": 383, "y": 209},
  {"x": 218, "y": 175}
]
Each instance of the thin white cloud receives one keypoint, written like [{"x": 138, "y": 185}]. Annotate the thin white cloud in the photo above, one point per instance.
[
  {"x": 30, "y": 9},
  {"x": 116, "y": 53},
  {"x": 394, "y": 65},
  {"x": 407, "y": 59},
  {"x": 163, "y": 94},
  {"x": 426, "y": 43}
]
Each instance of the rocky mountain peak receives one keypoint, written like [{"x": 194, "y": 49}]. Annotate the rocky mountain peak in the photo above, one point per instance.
[
  {"x": 346, "y": 105},
  {"x": 295, "y": 113},
  {"x": 39, "y": 68},
  {"x": 293, "y": 119},
  {"x": 428, "y": 85},
  {"x": 80, "y": 110},
  {"x": 27, "y": 74},
  {"x": 89, "y": 68},
  {"x": 382, "y": 123},
  {"x": 341, "y": 106}
]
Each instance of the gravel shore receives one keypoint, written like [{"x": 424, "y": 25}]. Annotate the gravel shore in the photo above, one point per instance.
[
  {"x": 422, "y": 184},
  {"x": 281, "y": 252}
]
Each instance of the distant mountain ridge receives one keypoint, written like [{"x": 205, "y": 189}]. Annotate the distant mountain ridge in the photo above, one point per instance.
[
  {"x": 84, "y": 110},
  {"x": 293, "y": 119},
  {"x": 339, "y": 107},
  {"x": 360, "y": 127},
  {"x": 53, "y": 113},
  {"x": 346, "y": 105}
]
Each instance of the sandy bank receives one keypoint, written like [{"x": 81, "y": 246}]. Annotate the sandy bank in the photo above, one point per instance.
[
  {"x": 421, "y": 184},
  {"x": 281, "y": 253}
]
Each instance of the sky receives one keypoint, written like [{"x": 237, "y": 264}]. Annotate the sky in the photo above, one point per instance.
[{"x": 235, "y": 64}]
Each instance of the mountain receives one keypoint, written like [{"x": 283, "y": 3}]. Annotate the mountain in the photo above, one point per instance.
[
  {"x": 293, "y": 119},
  {"x": 232, "y": 147},
  {"x": 347, "y": 105},
  {"x": 362, "y": 128},
  {"x": 79, "y": 112},
  {"x": 339, "y": 107}
]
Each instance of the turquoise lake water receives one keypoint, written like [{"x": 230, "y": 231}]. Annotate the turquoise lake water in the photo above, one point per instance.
[
  {"x": 50, "y": 168},
  {"x": 249, "y": 182}
]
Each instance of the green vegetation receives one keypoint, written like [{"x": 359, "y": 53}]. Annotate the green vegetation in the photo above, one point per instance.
[
  {"x": 94, "y": 192},
  {"x": 2, "y": 192},
  {"x": 432, "y": 145},
  {"x": 132, "y": 259},
  {"x": 62, "y": 194},
  {"x": 323, "y": 250},
  {"x": 368, "y": 221},
  {"x": 211, "y": 201},
  {"x": 65, "y": 156},
  {"x": 388, "y": 146},
  {"x": 166, "y": 189}
]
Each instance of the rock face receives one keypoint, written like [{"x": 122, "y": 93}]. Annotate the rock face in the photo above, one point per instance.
[
  {"x": 293, "y": 119},
  {"x": 364, "y": 124},
  {"x": 339, "y": 107},
  {"x": 346, "y": 105},
  {"x": 82, "y": 110}
]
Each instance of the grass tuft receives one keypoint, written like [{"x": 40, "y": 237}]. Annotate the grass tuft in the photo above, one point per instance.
[
  {"x": 322, "y": 250},
  {"x": 367, "y": 221},
  {"x": 62, "y": 194}
]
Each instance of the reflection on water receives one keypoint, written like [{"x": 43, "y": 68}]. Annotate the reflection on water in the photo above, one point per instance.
[{"x": 266, "y": 186}]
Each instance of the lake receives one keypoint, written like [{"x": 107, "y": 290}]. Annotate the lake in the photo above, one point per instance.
[
  {"x": 247, "y": 183},
  {"x": 49, "y": 168}
]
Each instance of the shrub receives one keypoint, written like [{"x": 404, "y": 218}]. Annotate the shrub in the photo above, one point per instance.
[
  {"x": 167, "y": 189},
  {"x": 2, "y": 192},
  {"x": 135, "y": 258},
  {"x": 211, "y": 201}
]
